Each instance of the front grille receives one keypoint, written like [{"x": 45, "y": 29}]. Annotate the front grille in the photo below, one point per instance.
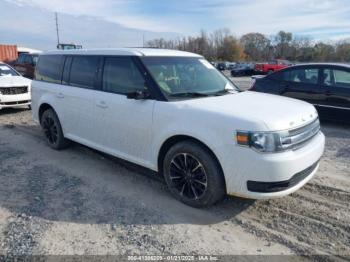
[
  {"x": 14, "y": 103},
  {"x": 270, "y": 187},
  {"x": 300, "y": 136},
  {"x": 16, "y": 90}
]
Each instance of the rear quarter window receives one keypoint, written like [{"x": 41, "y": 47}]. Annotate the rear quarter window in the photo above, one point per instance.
[{"x": 49, "y": 69}]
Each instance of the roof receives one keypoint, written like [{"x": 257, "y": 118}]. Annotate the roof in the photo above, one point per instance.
[
  {"x": 22, "y": 49},
  {"x": 125, "y": 51},
  {"x": 323, "y": 64}
]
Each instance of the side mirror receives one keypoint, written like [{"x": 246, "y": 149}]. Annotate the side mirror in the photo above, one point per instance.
[{"x": 138, "y": 95}]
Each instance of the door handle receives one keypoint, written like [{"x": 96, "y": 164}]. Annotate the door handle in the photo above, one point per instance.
[
  {"x": 60, "y": 95},
  {"x": 102, "y": 104}
]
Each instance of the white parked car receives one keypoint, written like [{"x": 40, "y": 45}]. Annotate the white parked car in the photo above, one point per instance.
[
  {"x": 14, "y": 88},
  {"x": 174, "y": 113}
]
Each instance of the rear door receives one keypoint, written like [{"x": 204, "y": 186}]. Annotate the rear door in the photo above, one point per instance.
[
  {"x": 303, "y": 83},
  {"x": 336, "y": 82},
  {"x": 77, "y": 96}
]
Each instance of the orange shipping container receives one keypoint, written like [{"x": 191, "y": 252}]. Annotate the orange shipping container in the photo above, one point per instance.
[{"x": 8, "y": 53}]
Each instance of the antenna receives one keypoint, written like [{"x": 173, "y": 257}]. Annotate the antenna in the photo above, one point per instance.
[{"x": 58, "y": 36}]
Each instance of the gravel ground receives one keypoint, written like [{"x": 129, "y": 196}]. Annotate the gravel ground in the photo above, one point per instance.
[{"x": 81, "y": 202}]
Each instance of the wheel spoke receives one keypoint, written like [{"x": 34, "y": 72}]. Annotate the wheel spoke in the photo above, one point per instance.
[
  {"x": 200, "y": 182},
  {"x": 175, "y": 177},
  {"x": 176, "y": 165},
  {"x": 194, "y": 192},
  {"x": 182, "y": 189},
  {"x": 185, "y": 160},
  {"x": 196, "y": 168}
]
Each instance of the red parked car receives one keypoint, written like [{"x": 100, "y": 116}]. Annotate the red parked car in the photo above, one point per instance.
[{"x": 271, "y": 66}]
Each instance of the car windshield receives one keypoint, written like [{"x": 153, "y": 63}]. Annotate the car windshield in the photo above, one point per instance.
[
  {"x": 5, "y": 70},
  {"x": 187, "y": 76}
]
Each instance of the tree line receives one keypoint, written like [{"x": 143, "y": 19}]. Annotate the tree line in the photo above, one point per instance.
[{"x": 222, "y": 45}]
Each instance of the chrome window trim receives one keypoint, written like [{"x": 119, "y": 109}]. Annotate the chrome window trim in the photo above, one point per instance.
[{"x": 336, "y": 107}]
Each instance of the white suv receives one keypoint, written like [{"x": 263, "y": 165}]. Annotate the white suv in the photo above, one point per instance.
[
  {"x": 174, "y": 113},
  {"x": 14, "y": 88}
]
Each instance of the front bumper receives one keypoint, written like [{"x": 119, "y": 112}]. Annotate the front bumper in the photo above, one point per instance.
[
  {"x": 7, "y": 101},
  {"x": 258, "y": 176}
]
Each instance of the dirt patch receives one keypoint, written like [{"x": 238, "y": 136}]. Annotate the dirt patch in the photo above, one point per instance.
[{"x": 78, "y": 201}]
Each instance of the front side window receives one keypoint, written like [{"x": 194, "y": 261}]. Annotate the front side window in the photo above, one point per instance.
[
  {"x": 49, "y": 68},
  {"x": 186, "y": 75},
  {"x": 5, "y": 70},
  {"x": 28, "y": 59},
  {"x": 305, "y": 75},
  {"x": 83, "y": 71},
  {"x": 121, "y": 76},
  {"x": 336, "y": 77}
]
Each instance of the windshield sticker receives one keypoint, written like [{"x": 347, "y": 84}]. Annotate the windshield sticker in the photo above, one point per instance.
[{"x": 206, "y": 64}]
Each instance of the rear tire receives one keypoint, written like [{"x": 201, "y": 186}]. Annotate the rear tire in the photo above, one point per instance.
[
  {"x": 53, "y": 130},
  {"x": 193, "y": 175}
]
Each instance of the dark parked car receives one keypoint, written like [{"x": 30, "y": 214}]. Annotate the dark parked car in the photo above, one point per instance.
[
  {"x": 221, "y": 66},
  {"x": 327, "y": 86},
  {"x": 243, "y": 70},
  {"x": 25, "y": 64}
]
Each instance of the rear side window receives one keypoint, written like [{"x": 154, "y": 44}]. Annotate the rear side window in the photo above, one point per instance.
[
  {"x": 336, "y": 77},
  {"x": 49, "y": 69},
  {"x": 121, "y": 76},
  {"x": 305, "y": 75},
  {"x": 83, "y": 71}
]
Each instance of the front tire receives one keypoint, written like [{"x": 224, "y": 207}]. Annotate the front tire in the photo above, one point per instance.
[
  {"x": 193, "y": 175},
  {"x": 53, "y": 130}
]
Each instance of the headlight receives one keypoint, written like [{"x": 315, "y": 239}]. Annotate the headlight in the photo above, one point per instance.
[{"x": 266, "y": 142}]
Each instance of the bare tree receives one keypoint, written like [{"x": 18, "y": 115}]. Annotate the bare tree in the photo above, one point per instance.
[{"x": 223, "y": 45}]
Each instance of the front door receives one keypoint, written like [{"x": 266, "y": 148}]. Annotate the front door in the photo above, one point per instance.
[
  {"x": 303, "y": 83},
  {"x": 127, "y": 123}
]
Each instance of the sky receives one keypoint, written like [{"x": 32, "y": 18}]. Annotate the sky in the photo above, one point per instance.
[{"x": 116, "y": 23}]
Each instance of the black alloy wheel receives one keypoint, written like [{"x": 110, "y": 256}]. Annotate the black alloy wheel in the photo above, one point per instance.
[
  {"x": 52, "y": 130},
  {"x": 188, "y": 176},
  {"x": 193, "y": 174}
]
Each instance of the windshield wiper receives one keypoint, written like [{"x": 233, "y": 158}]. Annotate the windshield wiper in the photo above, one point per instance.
[
  {"x": 222, "y": 92},
  {"x": 188, "y": 94}
]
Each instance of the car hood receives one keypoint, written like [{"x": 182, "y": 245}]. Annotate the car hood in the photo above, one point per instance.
[
  {"x": 9, "y": 81},
  {"x": 275, "y": 112}
]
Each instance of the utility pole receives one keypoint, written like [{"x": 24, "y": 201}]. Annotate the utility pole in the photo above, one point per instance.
[
  {"x": 58, "y": 36},
  {"x": 143, "y": 40}
]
